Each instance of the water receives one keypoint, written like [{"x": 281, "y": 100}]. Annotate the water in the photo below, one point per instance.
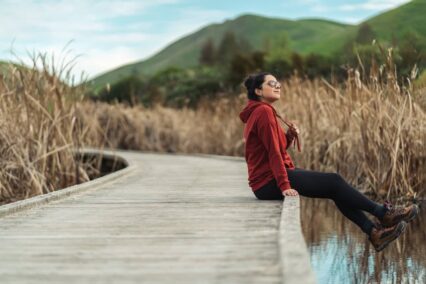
[{"x": 341, "y": 253}]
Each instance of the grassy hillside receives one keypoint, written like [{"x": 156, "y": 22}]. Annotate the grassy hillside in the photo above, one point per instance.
[
  {"x": 392, "y": 25},
  {"x": 2, "y": 66},
  {"x": 304, "y": 36},
  {"x": 5, "y": 67},
  {"x": 396, "y": 22}
]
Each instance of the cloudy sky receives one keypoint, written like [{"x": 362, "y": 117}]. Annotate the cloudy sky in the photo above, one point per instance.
[{"x": 105, "y": 34}]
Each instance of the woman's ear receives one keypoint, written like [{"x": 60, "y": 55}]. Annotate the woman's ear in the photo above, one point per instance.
[{"x": 257, "y": 91}]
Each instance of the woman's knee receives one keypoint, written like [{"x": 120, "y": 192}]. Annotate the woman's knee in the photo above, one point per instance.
[
  {"x": 337, "y": 181},
  {"x": 336, "y": 177}
]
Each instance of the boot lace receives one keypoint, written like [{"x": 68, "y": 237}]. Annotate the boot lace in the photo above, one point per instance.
[{"x": 391, "y": 209}]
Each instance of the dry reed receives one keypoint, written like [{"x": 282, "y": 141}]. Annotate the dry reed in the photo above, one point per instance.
[
  {"x": 369, "y": 129},
  {"x": 39, "y": 129}
]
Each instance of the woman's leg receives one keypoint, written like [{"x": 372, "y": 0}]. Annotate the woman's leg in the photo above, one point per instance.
[
  {"x": 270, "y": 191},
  {"x": 332, "y": 185},
  {"x": 356, "y": 216},
  {"x": 328, "y": 185}
]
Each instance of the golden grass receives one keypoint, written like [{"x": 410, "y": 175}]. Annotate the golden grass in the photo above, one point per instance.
[
  {"x": 163, "y": 129},
  {"x": 371, "y": 133},
  {"x": 369, "y": 129},
  {"x": 38, "y": 130}
]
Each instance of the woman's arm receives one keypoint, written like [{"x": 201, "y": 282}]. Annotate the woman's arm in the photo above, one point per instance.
[{"x": 267, "y": 131}]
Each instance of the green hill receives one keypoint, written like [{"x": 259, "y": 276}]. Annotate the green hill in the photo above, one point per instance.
[
  {"x": 3, "y": 66},
  {"x": 392, "y": 25},
  {"x": 305, "y": 35},
  {"x": 396, "y": 22}
]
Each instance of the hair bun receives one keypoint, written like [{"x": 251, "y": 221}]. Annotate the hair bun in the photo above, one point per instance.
[{"x": 248, "y": 82}]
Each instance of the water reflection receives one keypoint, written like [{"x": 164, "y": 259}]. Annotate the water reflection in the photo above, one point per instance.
[{"x": 341, "y": 253}]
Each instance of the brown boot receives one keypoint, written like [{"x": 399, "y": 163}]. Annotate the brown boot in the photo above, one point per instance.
[
  {"x": 380, "y": 236},
  {"x": 394, "y": 215}
]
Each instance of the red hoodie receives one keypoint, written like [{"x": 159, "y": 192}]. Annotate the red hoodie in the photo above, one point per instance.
[{"x": 265, "y": 146}]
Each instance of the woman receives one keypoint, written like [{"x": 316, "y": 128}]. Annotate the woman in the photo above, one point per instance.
[{"x": 272, "y": 174}]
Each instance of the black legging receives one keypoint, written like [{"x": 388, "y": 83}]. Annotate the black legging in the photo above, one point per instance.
[{"x": 327, "y": 185}]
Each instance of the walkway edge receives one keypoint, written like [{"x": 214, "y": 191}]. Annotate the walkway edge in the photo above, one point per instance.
[
  {"x": 214, "y": 156},
  {"x": 294, "y": 255},
  {"x": 42, "y": 199}
]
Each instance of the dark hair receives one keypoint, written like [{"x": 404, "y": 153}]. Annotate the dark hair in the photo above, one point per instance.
[{"x": 254, "y": 81}]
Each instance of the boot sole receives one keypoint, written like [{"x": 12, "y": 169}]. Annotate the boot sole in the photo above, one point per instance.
[{"x": 401, "y": 227}]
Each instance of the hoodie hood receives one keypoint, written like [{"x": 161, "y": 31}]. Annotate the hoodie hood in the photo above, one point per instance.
[
  {"x": 265, "y": 145},
  {"x": 250, "y": 107}
]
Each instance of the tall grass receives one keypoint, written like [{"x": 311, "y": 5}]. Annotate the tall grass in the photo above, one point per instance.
[
  {"x": 39, "y": 129},
  {"x": 371, "y": 129},
  {"x": 208, "y": 129}
]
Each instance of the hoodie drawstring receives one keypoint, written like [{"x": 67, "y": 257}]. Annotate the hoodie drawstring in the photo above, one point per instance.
[{"x": 296, "y": 135}]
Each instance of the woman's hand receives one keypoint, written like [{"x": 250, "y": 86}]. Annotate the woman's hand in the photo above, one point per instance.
[
  {"x": 290, "y": 192},
  {"x": 293, "y": 131}
]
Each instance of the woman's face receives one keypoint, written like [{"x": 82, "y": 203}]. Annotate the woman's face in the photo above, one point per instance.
[{"x": 270, "y": 90}]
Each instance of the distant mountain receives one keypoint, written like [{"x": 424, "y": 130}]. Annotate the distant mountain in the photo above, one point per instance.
[
  {"x": 388, "y": 26},
  {"x": 2, "y": 67},
  {"x": 396, "y": 22},
  {"x": 5, "y": 67},
  {"x": 305, "y": 35}
]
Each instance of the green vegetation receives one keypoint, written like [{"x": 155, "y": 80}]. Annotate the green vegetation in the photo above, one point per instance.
[
  {"x": 4, "y": 66},
  {"x": 221, "y": 68},
  {"x": 172, "y": 87},
  {"x": 215, "y": 59},
  {"x": 306, "y": 36},
  {"x": 255, "y": 31}
]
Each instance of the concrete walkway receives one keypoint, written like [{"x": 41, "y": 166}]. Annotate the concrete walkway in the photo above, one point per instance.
[{"x": 168, "y": 219}]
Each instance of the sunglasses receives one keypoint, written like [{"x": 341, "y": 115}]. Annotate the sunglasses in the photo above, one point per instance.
[{"x": 274, "y": 84}]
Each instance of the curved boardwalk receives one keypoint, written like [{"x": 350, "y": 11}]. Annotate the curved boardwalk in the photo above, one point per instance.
[
  {"x": 172, "y": 219},
  {"x": 165, "y": 219}
]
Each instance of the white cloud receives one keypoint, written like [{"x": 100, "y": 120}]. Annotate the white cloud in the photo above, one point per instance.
[
  {"x": 311, "y": 5},
  {"x": 319, "y": 8},
  {"x": 70, "y": 16},
  {"x": 95, "y": 60},
  {"x": 372, "y": 5},
  {"x": 193, "y": 19},
  {"x": 100, "y": 43},
  {"x": 111, "y": 33},
  {"x": 47, "y": 26}
]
